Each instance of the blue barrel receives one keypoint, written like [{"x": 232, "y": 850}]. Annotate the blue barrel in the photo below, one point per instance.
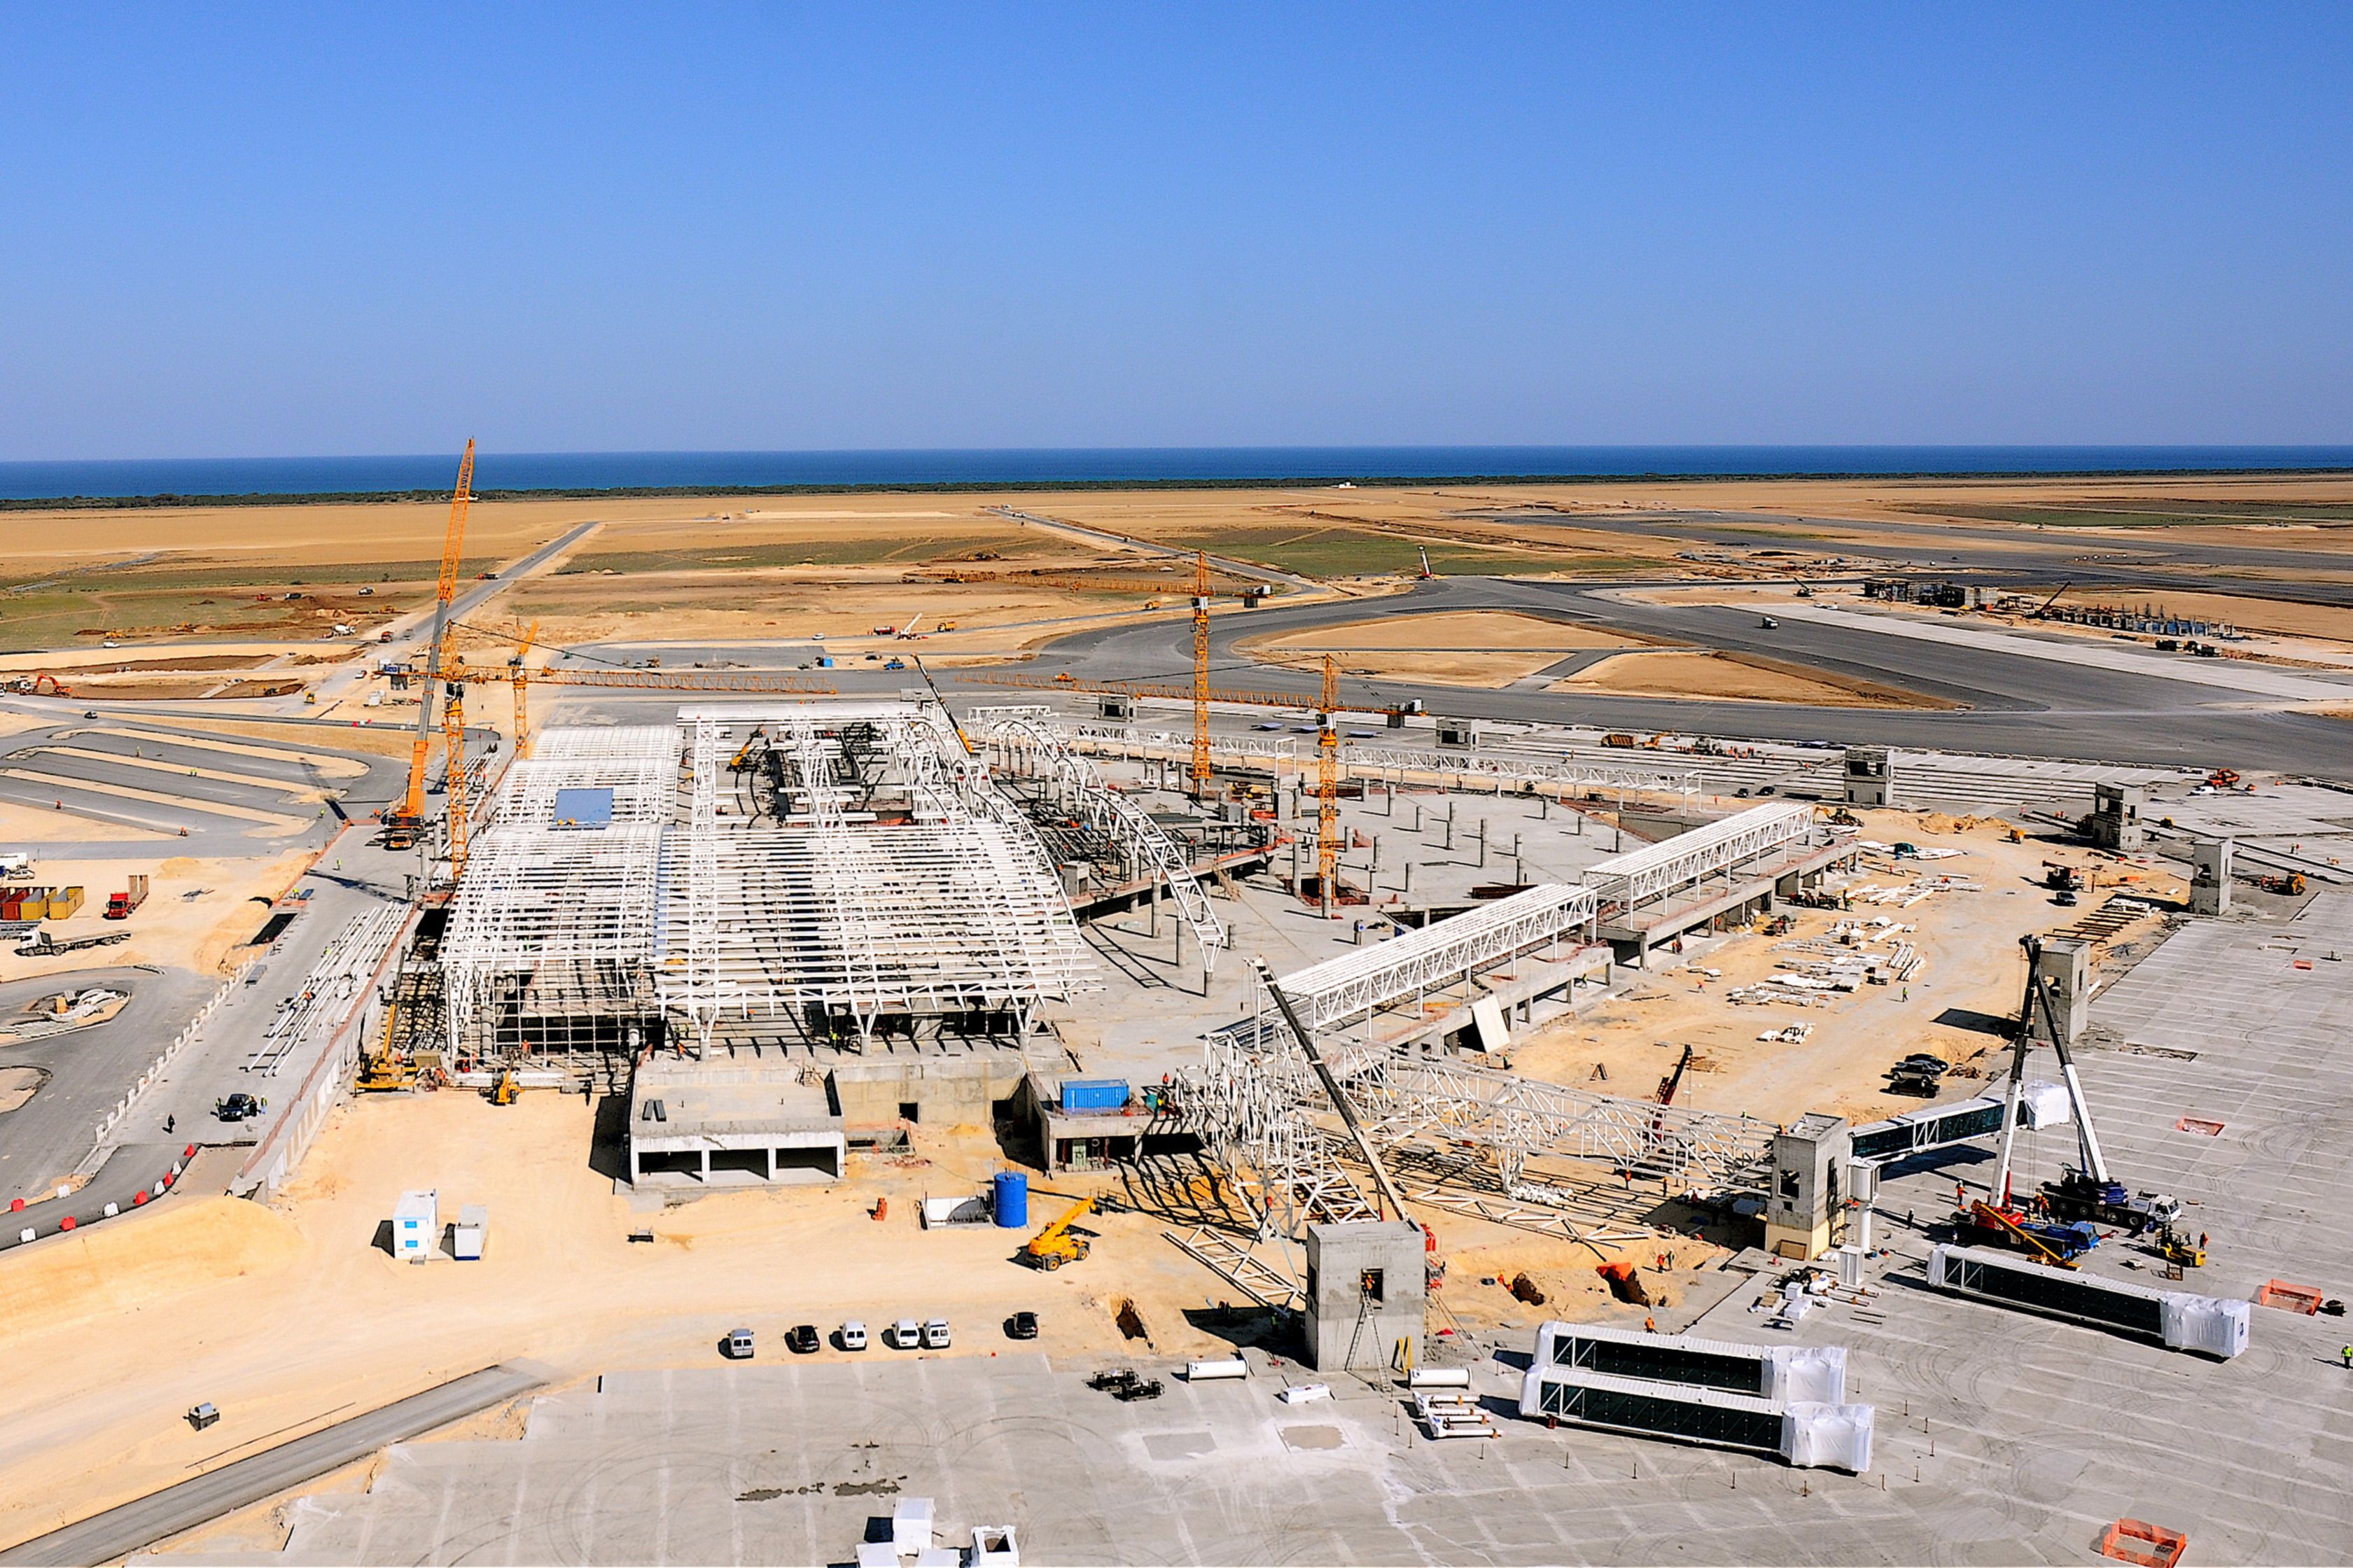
[{"x": 1012, "y": 1196}]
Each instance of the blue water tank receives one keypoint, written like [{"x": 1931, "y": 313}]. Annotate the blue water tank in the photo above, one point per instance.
[{"x": 1012, "y": 1196}]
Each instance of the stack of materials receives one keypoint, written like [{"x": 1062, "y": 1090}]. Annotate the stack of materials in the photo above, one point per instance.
[
  {"x": 1786, "y": 1400},
  {"x": 1451, "y": 1413}
]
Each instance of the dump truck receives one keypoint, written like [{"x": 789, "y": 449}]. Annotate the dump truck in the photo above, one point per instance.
[{"x": 120, "y": 905}]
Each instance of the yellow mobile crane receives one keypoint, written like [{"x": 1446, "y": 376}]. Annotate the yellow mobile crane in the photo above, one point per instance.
[{"x": 1055, "y": 1245}]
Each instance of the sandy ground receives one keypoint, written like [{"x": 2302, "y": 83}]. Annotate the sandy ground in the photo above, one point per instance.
[
  {"x": 1719, "y": 677},
  {"x": 1973, "y": 975},
  {"x": 292, "y": 1316},
  {"x": 171, "y": 928},
  {"x": 24, "y": 827},
  {"x": 1463, "y": 631}
]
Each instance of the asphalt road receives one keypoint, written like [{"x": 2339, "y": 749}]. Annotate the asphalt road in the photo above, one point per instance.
[
  {"x": 117, "y": 1532},
  {"x": 2017, "y": 704},
  {"x": 89, "y": 1069}
]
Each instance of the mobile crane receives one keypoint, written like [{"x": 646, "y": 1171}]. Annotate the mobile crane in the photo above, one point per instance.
[{"x": 1056, "y": 1244}]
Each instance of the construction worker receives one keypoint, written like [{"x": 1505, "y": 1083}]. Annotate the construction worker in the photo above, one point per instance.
[{"x": 2347, "y": 1353}]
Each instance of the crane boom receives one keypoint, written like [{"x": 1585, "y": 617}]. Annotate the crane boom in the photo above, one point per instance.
[{"x": 411, "y": 815}]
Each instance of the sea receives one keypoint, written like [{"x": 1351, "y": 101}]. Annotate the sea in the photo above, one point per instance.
[{"x": 1010, "y": 467}]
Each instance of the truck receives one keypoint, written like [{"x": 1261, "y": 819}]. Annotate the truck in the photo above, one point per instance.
[
  {"x": 2077, "y": 1196},
  {"x": 120, "y": 905}
]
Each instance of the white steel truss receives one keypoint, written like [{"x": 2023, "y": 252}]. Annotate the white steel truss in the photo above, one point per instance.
[
  {"x": 1625, "y": 881},
  {"x": 1358, "y": 983},
  {"x": 1515, "y": 770},
  {"x": 1255, "y": 1102},
  {"x": 1028, "y": 740},
  {"x": 849, "y": 914},
  {"x": 554, "y": 920}
]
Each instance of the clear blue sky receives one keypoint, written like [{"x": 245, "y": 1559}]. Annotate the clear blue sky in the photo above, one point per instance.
[{"x": 242, "y": 231}]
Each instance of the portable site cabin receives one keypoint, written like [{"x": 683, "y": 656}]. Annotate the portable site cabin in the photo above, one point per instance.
[
  {"x": 416, "y": 1225},
  {"x": 473, "y": 1229}
]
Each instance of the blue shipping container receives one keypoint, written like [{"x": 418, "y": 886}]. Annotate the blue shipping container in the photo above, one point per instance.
[{"x": 1095, "y": 1093}]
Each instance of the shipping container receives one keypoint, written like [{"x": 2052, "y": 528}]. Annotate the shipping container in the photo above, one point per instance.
[{"x": 1095, "y": 1093}]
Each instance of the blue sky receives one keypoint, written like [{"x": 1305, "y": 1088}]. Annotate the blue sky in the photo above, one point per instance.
[{"x": 251, "y": 231}]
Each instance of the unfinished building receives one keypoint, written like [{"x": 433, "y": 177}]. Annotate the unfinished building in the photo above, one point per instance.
[{"x": 814, "y": 873}]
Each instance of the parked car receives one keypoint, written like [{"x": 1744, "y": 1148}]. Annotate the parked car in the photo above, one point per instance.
[
  {"x": 1921, "y": 1062},
  {"x": 238, "y": 1106},
  {"x": 906, "y": 1333},
  {"x": 935, "y": 1335},
  {"x": 854, "y": 1335},
  {"x": 1021, "y": 1326},
  {"x": 801, "y": 1338},
  {"x": 737, "y": 1345}
]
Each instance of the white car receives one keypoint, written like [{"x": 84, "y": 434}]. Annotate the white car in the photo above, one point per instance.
[
  {"x": 935, "y": 1335},
  {"x": 906, "y": 1333},
  {"x": 853, "y": 1336}
]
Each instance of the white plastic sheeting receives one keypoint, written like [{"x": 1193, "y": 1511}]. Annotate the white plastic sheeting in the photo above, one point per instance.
[
  {"x": 1827, "y": 1437},
  {"x": 1812, "y": 1374},
  {"x": 2205, "y": 1324},
  {"x": 2043, "y": 1104}
]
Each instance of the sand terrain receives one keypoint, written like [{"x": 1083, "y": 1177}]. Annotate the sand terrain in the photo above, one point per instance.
[
  {"x": 1455, "y": 647},
  {"x": 289, "y": 1317},
  {"x": 173, "y": 928},
  {"x": 1973, "y": 973},
  {"x": 1733, "y": 677}
]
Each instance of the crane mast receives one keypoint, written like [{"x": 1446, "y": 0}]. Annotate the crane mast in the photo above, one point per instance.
[
  {"x": 1328, "y": 788},
  {"x": 1202, "y": 781},
  {"x": 402, "y": 826}
]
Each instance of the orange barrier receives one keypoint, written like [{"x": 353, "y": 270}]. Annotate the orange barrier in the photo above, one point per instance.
[
  {"x": 2139, "y": 1542},
  {"x": 2288, "y": 1297}
]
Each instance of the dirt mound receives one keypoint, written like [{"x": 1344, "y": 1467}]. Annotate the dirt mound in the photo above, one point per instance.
[{"x": 140, "y": 1262}]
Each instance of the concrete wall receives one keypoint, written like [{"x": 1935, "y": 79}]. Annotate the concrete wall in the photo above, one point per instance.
[
  {"x": 944, "y": 1091},
  {"x": 1368, "y": 1290},
  {"x": 1802, "y": 1209}
]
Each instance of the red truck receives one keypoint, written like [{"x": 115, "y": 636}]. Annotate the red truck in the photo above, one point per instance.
[{"x": 120, "y": 905}]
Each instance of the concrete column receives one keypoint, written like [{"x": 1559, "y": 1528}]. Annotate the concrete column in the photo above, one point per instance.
[{"x": 2210, "y": 883}]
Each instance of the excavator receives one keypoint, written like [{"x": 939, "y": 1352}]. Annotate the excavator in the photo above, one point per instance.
[
  {"x": 1055, "y": 1245},
  {"x": 404, "y": 824}
]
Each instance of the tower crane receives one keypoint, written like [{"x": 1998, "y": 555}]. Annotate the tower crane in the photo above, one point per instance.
[
  {"x": 1202, "y": 778},
  {"x": 1327, "y": 784},
  {"x": 402, "y": 826}
]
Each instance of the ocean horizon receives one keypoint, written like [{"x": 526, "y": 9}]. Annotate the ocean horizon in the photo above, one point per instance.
[{"x": 199, "y": 477}]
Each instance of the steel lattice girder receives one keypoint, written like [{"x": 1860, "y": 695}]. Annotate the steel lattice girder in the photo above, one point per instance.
[
  {"x": 1363, "y": 981},
  {"x": 1635, "y": 877},
  {"x": 1145, "y": 842}
]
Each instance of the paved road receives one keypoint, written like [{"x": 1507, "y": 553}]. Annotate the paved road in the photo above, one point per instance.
[
  {"x": 2025, "y": 705},
  {"x": 119, "y": 1531},
  {"x": 43, "y": 1141}
]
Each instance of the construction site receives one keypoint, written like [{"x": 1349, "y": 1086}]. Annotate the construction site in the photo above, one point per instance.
[{"x": 777, "y": 1109}]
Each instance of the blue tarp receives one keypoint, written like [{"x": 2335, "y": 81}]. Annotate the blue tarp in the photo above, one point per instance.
[{"x": 583, "y": 808}]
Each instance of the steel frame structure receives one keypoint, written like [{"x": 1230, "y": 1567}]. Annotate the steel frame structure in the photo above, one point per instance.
[
  {"x": 903, "y": 885},
  {"x": 1026, "y": 739},
  {"x": 1359, "y": 984},
  {"x": 550, "y": 935},
  {"x": 1255, "y": 1103},
  {"x": 1625, "y": 881}
]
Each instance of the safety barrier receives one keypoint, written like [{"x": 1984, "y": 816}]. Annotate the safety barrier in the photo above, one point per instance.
[
  {"x": 24, "y": 1235},
  {"x": 146, "y": 1081}
]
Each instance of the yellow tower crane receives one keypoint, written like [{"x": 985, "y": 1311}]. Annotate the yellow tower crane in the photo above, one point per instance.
[
  {"x": 1203, "y": 782},
  {"x": 402, "y": 826},
  {"x": 1327, "y": 789}
]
